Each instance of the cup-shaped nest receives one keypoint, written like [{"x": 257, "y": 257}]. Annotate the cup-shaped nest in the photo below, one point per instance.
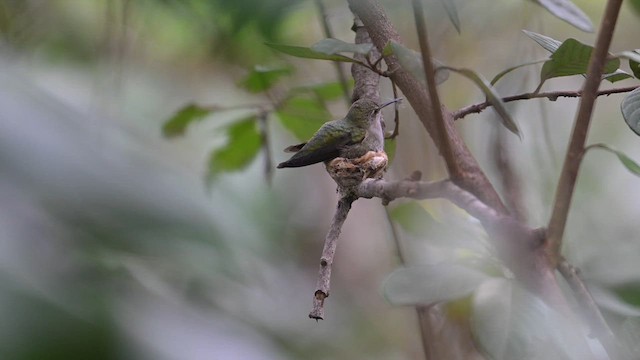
[{"x": 351, "y": 172}]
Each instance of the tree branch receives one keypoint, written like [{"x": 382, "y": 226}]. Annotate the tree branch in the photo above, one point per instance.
[
  {"x": 551, "y": 95},
  {"x": 569, "y": 174},
  {"x": 323, "y": 283},
  {"x": 391, "y": 190}
]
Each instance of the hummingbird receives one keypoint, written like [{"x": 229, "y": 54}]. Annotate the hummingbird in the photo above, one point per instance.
[{"x": 351, "y": 137}]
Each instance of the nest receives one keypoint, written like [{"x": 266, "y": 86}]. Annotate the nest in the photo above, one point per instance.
[{"x": 348, "y": 173}]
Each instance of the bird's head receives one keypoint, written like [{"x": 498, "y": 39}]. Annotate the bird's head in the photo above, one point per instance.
[{"x": 363, "y": 111}]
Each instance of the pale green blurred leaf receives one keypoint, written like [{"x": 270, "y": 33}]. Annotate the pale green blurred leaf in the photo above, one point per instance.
[
  {"x": 303, "y": 116},
  {"x": 334, "y": 46},
  {"x": 569, "y": 12},
  {"x": 263, "y": 78},
  {"x": 178, "y": 123},
  {"x": 609, "y": 301},
  {"x": 630, "y": 108},
  {"x": 326, "y": 91},
  {"x": 412, "y": 218},
  {"x": 549, "y": 44},
  {"x": 631, "y": 165},
  {"x": 411, "y": 61},
  {"x": 512, "y": 323},
  {"x": 307, "y": 53},
  {"x": 424, "y": 285}
]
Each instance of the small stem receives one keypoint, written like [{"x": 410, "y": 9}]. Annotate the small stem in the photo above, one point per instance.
[
  {"x": 569, "y": 174},
  {"x": 436, "y": 108},
  {"x": 396, "y": 129},
  {"x": 342, "y": 77},
  {"x": 551, "y": 95}
]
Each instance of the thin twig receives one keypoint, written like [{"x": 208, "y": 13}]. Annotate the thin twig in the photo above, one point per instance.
[
  {"x": 588, "y": 307},
  {"x": 342, "y": 77},
  {"x": 396, "y": 113},
  {"x": 569, "y": 174},
  {"x": 551, "y": 95},
  {"x": 436, "y": 112},
  {"x": 326, "y": 260}
]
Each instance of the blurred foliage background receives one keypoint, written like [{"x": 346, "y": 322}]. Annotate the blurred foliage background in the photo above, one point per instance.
[{"x": 113, "y": 247}]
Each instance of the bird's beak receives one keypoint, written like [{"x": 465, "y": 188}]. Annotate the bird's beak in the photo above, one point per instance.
[{"x": 389, "y": 103}]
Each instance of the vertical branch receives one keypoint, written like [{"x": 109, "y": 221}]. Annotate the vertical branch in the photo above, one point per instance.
[
  {"x": 569, "y": 174},
  {"x": 322, "y": 11},
  {"x": 436, "y": 112},
  {"x": 326, "y": 260}
]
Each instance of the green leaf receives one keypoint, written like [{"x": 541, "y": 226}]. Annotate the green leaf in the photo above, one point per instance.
[
  {"x": 178, "y": 123},
  {"x": 332, "y": 46},
  {"x": 425, "y": 285},
  {"x": 307, "y": 53},
  {"x": 412, "y": 218},
  {"x": 631, "y": 165},
  {"x": 630, "y": 108},
  {"x": 569, "y": 12},
  {"x": 326, "y": 91},
  {"x": 411, "y": 61},
  {"x": 635, "y": 5},
  {"x": 303, "y": 116},
  {"x": 243, "y": 144},
  {"x": 505, "y": 72},
  {"x": 635, "y": 68},
  {"x": 572, "y": 58},
  {"x": 629, "y": 293},
  {"x": 388, "y": 49},
  {"x": 492, "y": 96},
  {"x": 552, "y": 45},
  {"x": 609, "y": 301},
  {"x": 390, "y": 148},
  {"x": 616, "y": 76},
  {"x": 263, "y": 78},
  {"x": 450, "y": 7},
  {"x": 634, "y": 60},
  {"x": 549, "y": 44},
  {"x": 509, "y": 322}
]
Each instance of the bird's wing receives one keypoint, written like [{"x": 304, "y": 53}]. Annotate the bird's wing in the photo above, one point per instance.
[
  {"x": 323, "y": 148},
  {"x": 295, "y": 148}
]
